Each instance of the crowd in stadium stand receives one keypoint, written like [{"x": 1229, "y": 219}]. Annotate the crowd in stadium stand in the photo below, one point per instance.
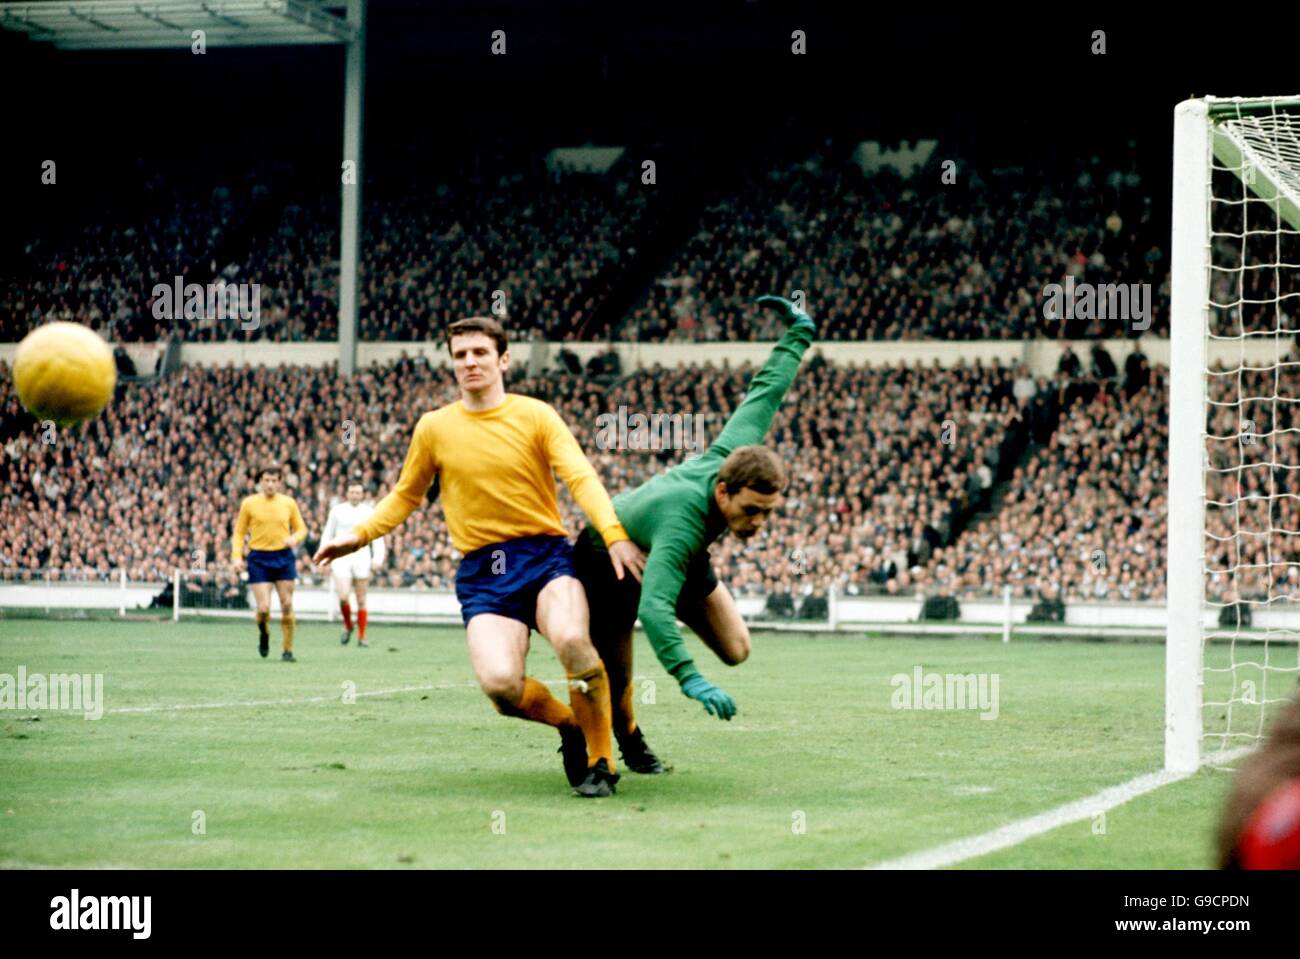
[
  {"x": 552, "y": 246},
  {"x": 102, "y": 272},
  {"x": 903, "y": 480},
  {"x": 888, "y": 258},
  {"x": 1085, "y": 515},
  {"x": 892, "y": 497},
  {"x": 879, "y": 257}
]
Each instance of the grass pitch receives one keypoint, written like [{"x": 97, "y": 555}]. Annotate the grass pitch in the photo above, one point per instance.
[{"x": 208, "y": 756}]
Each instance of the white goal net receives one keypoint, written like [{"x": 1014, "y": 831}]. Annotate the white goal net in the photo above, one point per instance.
[{"x": 1234, "y": 499}]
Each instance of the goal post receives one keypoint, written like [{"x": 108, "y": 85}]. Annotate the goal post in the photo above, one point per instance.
[
  {"x": 1189, "y": 299},
  {"x": 1234, "y": 474}
]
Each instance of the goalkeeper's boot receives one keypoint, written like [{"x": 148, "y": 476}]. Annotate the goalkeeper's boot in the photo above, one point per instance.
[
  {"x": 573, "y": 744},
  {"x": 599, "y": 782},
  {"x": 637, "y": 756},
  {"x": 288, "y": 657},
  {"x": 263, "y": 643},
  {"x": 345, "y": 636},
  {"x": 362, "y": 644}
]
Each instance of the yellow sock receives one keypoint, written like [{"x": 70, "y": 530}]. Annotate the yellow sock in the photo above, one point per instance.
[
  {"x": 287, "y": 624},
  {"x": 540, "y": 706},
  {"x": 589, "y": 697}
]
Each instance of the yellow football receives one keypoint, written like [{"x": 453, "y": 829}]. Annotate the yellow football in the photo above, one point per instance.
[{"x": 64, "y": 372}]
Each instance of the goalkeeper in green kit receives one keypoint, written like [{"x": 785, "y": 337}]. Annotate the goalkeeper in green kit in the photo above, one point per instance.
[{"x": 735, "y": 485}]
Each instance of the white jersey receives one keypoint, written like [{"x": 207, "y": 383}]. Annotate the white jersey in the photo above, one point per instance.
[{"x": 342, "y": 519}]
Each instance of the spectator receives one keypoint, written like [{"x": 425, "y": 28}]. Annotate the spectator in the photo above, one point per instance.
[
  {"x": 1069, "y": 363},
  {"x": 1137, "y": 373},
  {"x": 1103, "y": 367}
]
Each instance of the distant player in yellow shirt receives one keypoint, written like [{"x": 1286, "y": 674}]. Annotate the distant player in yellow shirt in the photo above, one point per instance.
[
  {"x": 493, "y": 453},
  {"x": 276, "y": 529}
]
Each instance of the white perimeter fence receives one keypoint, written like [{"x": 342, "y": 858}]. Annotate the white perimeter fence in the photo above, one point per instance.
[{"x": 997, "y": 616}]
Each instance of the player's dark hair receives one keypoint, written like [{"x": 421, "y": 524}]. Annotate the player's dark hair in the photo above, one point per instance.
[
  {"x": 753, "y": 467},
  {"x": 480, "y": 324},
  {"x": 272, "y": 468}
]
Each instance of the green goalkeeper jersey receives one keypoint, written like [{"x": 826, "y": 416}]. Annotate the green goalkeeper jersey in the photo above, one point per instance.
[{"x": 674, "y": 516}]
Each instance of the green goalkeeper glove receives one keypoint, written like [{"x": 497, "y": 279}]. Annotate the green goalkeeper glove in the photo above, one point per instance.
[
  {"x": 716, "y": 702},
  {"x": 789, "y": 312}
]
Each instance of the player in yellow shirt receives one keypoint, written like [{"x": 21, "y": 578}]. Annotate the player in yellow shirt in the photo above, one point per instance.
[
  {"x": 493, "y": 454},
  {"x": 274, "y": 528}
]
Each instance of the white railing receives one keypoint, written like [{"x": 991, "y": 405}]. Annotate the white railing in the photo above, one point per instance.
[
  {"x": 1003, "y": 616},
  {"x": 52, "y": 589}
]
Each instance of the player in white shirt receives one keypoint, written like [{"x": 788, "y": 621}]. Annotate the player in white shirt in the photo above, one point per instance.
[{"x": 353, "y": 571}]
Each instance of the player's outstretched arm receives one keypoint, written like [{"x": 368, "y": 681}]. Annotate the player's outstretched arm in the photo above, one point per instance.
[
  {"x": 341, "y": 545},
  {"x": 753, "y": 418},
  {"x": 716, "y": 701},
  {"x": 789, "y": 312},
  {"x": 664, "y": 574},
  {"x": 418, "y": 471},
  {"x": 627, "y": 557},
  {"x": 577, "y": 473}
]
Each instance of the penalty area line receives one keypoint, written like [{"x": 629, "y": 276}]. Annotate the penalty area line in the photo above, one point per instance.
[{"x": 1014, "y": 833}]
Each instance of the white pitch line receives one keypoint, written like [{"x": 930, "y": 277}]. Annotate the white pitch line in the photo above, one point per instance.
[
  {"x": 164, "y": 707},
  {"x": 1017, "y": 832}
]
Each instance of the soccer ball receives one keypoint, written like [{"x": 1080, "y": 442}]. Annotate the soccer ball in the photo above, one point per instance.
[{"x": 64, "y": 372}]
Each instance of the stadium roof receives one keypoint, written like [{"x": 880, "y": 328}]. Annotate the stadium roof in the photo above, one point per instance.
[{"x": 140, "y": 24}]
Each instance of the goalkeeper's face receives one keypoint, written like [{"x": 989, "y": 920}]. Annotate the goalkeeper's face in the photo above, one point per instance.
[{"x": 746, "y": 510}]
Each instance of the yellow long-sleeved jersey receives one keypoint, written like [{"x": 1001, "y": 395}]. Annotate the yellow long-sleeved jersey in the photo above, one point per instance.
[
  {"x": 271, "y": 519},
  {"x": 496, "y": 478}
]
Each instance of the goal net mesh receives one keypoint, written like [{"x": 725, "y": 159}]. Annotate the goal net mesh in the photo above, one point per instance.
[{"x": 1252, "y": 441}]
